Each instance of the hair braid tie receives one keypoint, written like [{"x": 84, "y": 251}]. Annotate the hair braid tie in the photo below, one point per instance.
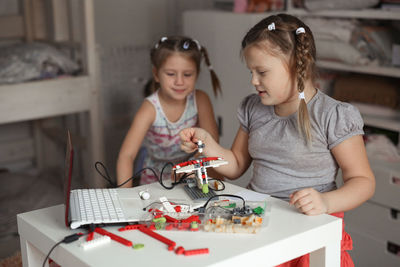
[{"x": 300, "y": 30}]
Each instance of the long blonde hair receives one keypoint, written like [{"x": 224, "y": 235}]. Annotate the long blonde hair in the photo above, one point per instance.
[{"x": 300, "y": 48}]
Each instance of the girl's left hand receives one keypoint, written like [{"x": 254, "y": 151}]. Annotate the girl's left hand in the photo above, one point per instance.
[{"x": 309, "y": 201}]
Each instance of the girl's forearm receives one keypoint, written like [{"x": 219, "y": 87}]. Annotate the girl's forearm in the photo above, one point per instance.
[
  {"x": 124, "y": 170},
  {"x": 353, "y": 193}
]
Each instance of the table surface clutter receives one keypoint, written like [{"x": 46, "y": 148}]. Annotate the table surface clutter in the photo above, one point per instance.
[{"x": 275, "y": 234}]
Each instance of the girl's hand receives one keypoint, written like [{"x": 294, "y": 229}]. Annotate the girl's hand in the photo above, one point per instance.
[
  {"x": 190, "y": 137},
  {"x": 309, "y": 201}
]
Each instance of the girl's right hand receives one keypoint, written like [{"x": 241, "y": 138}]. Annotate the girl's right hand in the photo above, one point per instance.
[{"x": 190, "y": 137}]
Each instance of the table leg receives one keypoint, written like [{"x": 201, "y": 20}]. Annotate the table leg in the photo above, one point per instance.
[
  {"x": 328, "y": 256},
  {"x": 31, "y": 256}
]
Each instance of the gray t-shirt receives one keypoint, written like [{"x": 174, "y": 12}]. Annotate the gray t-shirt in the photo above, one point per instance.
[{"x": 282, "y": 161}]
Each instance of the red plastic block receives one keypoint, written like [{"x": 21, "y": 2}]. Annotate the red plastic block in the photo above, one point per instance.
[
  {"x": 170, "y": 219},
  {"x": 131, "y": 227},
  {"x": 160, "y": 238},
  {"x": 196, "y": 251},
  {"x": 178, "y": 208},
  {"x": 192, "y": 219},
  {"x": 90, "y": 236},
  {"x": 119, "y": 239},
  {"x": 179, "y": 250}
]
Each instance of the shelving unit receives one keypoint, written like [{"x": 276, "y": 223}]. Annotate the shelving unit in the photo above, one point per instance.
[
  {"x": 374, "y": 70},
  {"x": 359, "y": 14},
  {"x": 32, "y": 101},
  {"x": 375, "y": 14},
  {"x": 374, "y": 226},
  {"x": 393, "y": 72}
]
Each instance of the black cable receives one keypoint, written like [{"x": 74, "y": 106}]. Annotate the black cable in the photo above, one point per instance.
[
  {"x": 161, "y": 176},
  {"x": 224, "y": 195},
  {"x": 107, "y": 176},
  {"x": 66, "y": 240},
  {"x": 219, "y": 181}
]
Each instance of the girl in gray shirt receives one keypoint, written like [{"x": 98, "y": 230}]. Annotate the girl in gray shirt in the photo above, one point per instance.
[{"x": 296, "y": 136}]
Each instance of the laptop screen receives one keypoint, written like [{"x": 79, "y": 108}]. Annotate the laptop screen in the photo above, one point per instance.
[{"x": 69, "y": 158}]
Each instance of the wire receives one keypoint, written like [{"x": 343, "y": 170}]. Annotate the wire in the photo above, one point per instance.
[
  {"x": 67, "y": 239},
  {"x": 48, "y": 255},
  {"x": 218, "y": 181},
  {"x": 104, "y": 173},
  {"x": 224, "y": 195},
  {"x": 107, "y": 176}
]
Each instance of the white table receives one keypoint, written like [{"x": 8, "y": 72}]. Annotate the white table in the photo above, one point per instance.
[{"x": 289, "y": 234}]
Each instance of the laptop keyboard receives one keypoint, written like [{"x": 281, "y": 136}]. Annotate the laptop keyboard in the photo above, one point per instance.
[{"x": 95, "y": 206}]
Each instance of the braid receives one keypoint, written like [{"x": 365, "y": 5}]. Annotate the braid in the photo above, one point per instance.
[
  {"x": 287, "y": 35},
  {"x": 301, "y": 58},
  {"x": 214, "y": 79}
]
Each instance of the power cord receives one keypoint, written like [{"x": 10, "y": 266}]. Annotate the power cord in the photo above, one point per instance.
[{"x": 68, "y": 239}]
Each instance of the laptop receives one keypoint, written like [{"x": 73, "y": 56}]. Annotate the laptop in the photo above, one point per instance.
[{"x": 98, "y": 206}]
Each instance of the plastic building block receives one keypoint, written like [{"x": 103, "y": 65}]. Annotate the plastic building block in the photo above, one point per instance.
[
  {"x": 167, "y": 205},
  {"x": 138, "y": 246},
  {"x": 258, "y": 210},
  {"x": 197, "y": 194},
  {"x": 131, "y": 227},
  {"x": 96, "y": 242},
  {"x": 144, "y": 195},
  {"x": 170, "y": 219},
  {"x": 194, "y": 226},
  {"x": 170, "y": 243},
  {"x": 90, "y": 236},
  {"x": 179, "y": 250},
  {"x": 178, "y": 208},
  {"x": 114, "y": 237},
  {"x": 199, "y": 167},
  {"x": 196, "y": 251}
]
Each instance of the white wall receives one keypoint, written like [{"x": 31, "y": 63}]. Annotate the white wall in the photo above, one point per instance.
[{"x": 221, "y": 33}]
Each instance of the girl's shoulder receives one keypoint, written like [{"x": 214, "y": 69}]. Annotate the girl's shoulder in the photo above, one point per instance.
[
  {"x": 331, "y": 107},
  {"x": 153, "y": 98},
  {"x": 147, "y": 108},
  {"x": 145, "y": 115},
  {"x": 200, "y": 95},
  {"x": 201, "y": 99},
  {"x": 338, "y": 119}
]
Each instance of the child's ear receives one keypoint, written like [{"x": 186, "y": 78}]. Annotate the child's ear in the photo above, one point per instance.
[{"x": 155, "y": 74}]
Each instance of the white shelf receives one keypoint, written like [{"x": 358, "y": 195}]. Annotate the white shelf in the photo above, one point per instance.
[
  {"x": 45, "y": 98},
  {"x": 376, "y": 70},
  {"x": 360, "y": 14},
  {"x": 384, "y": 123}
]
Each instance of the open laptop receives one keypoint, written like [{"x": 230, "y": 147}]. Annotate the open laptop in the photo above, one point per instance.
[{"x": 97, "y": 206}]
